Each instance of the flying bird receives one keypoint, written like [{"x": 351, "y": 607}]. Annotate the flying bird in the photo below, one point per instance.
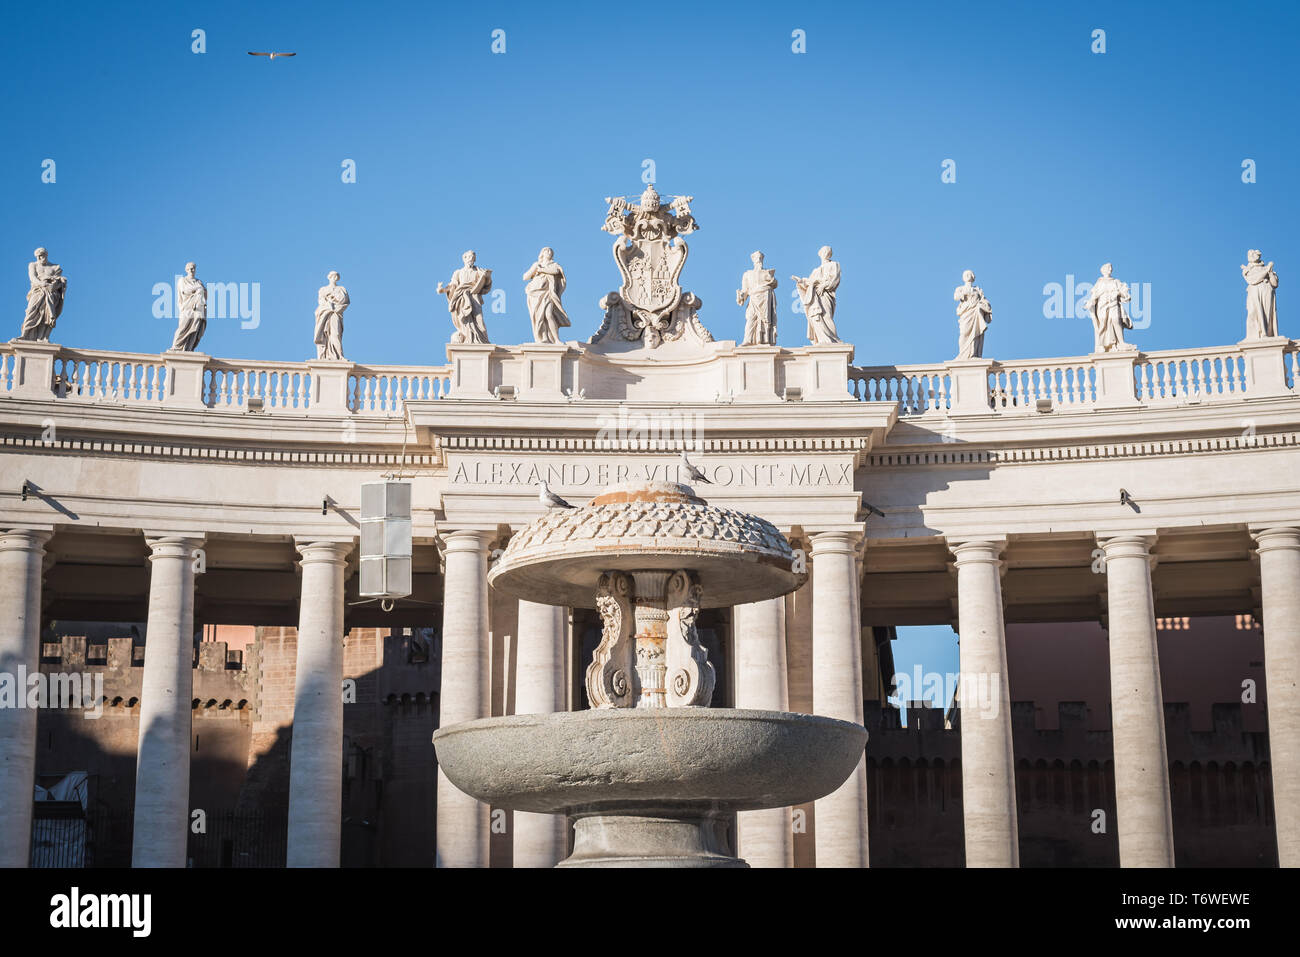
[
  {"x": 271, "y": 55},
  {"x": 549, "y": 498},
  {"x": 695, "y": 474}
]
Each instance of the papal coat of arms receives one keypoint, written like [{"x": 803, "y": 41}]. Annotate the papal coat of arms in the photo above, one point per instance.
[{"x": 650, "y": 305}]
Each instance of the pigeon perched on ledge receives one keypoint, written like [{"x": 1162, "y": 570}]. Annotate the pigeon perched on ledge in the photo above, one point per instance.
[
  {"x": 549, "y": 498},
  {"x": 692, "y": 472}
]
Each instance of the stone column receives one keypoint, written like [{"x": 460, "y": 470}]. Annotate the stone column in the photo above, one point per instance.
[
  {"x": 758, "y": 640},
  {"x": 21, "y": 552},
  {"x": 837, "y": 693},
  {"x": 162, "y": 765},
  {"x": 799, "y": 686},
  {"x": 1144, "y": 817},
  {"x": 316, "y": 749},
  {"x": 541, "y": 840},
  {"x": 1279, "y": 572},
  {"x": 462, "y": 821},
  {"x": 988, "y": 775}
]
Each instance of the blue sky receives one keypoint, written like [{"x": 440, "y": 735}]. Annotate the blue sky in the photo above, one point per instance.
[{"x": 1064, "y": 158}]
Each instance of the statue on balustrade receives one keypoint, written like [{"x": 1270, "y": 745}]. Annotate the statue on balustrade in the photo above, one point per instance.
[
  {"x": 546, "y": 283},
  {"x": 974, "y": 313},
  {"x": 331, "y": 300},
  {"x": 758, "y": 287},
  {"x": 1261, "y": 297},
  {"x": 817, "y": 293},
  {"x": 191, "y": 310},
  {"x": 44, "y": 298},
  {"x": 1109, "y": 316},
  {"x": 464, "y": 292}
]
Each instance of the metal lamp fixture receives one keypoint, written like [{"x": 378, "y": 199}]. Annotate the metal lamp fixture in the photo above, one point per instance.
[{"x": 385, "y": 539}]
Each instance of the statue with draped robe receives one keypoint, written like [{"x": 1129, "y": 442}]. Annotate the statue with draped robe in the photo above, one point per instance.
[
  {"x": 1261, "y": 297},
  {"x": 464, "y": 292},
  {"x": 191, "y": 311},
  {"x": 331, "y": 300},
  {"x": 44, "y": 298},
  {"x": 817, "y": 294},
  {"x": 757, "y": 293},
  {"x": 546, "y": 283},
  {"x": 1109, "y": 316},
  {"x": 974, "y": 313}
]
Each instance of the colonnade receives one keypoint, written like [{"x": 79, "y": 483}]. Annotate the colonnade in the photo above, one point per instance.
[{"x": 1144, "y": 818}]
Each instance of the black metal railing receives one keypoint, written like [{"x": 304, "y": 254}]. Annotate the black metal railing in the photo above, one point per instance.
[
  {"x": 65, "y": 835},
  {"x": 239, "y": 839}
]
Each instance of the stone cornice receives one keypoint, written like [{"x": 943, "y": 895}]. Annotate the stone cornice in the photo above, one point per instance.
[
  {"x": 959, "y": 455},
  {"x": 336, "y": 456},
  {"x": 542, "y": 443}
]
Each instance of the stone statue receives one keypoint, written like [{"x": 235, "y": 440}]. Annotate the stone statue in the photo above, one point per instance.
[
  {"x": 1261, "y": 297},
  {"x": 758, "y": 286},
  {"x": 1109, "y": 317},
  {"x": 974, "y": 313},
  {"x": 465, "y": 291},
  {"x": 191, "y": 311},
  {"x": 44, "y": 298},
  {"x": 817, "y": 293},
  {"x": 545, "y": 286},
  {"x": 331, "y": 300}
]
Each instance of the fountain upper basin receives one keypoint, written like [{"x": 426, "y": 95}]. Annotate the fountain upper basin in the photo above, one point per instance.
[
  {"x": 720, "y": 759},
  {"x": 642, "y": 526}
]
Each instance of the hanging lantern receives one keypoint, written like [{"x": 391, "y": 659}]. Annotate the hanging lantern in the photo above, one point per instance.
[{"x": 385, "y": 539}]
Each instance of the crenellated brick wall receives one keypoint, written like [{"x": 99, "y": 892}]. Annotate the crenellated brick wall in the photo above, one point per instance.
[{"x": 1219, "y": 783}]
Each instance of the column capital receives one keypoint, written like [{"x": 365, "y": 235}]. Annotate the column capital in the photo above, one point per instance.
[
  {"x": 173, "y": 544},
  {"x": 842, "y": 540},
  {"x": 1270, "y": 537},
  {"x": 314, "y": 550},
  {"x": 984, "y": 548},
  {"x": 1129, "y": 544},
  {"x": 26, "y": 539},
  {"x": 465, "y": 539}
]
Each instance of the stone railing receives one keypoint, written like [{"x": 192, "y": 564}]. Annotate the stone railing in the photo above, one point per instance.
[
  {"x": 108, "y": 377},
  {"x": 281, "y": 386},
  {"x": 382, "y": 390},
  {"x": 186, "y": 380},
  {"x": 917, "y": 389},
  {"x": 1258, "y": 368}
]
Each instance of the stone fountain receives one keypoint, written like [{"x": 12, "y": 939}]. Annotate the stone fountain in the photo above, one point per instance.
[{"x": 649, "y": 772}]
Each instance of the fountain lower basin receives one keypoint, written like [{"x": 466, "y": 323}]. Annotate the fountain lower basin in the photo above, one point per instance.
[{"x": 649, "y": 786}]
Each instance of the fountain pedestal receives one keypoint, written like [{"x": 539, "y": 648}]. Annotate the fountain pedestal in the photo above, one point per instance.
[{"x": 666, "y": 837}]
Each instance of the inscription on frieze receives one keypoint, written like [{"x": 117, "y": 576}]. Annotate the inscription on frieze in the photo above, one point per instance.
[{"x": 792, "y": 473}]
